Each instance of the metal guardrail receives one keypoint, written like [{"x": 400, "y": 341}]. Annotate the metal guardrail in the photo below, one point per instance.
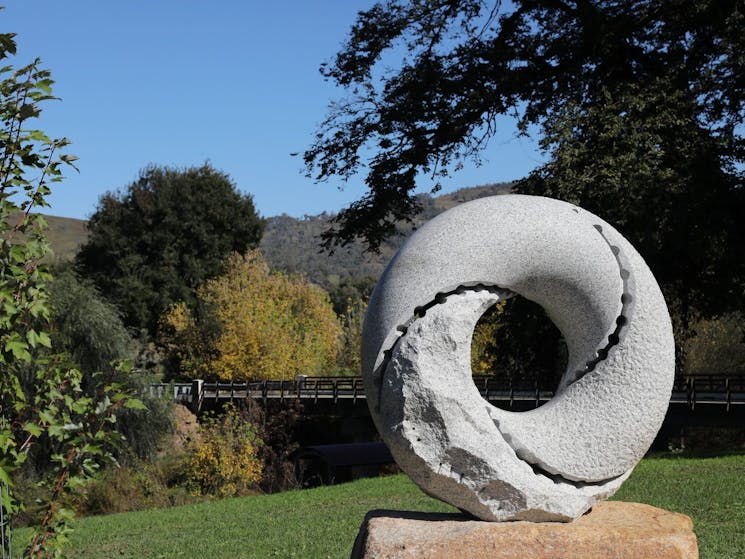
[
  {"x": 180, "y": 391},
  {"x": 723, "y": 390},
  {"x": 727, "y": 391},
  {"x": 307, "y": 388}
]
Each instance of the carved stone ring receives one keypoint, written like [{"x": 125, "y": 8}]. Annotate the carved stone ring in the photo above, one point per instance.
[{"x": 551, "y": 463}]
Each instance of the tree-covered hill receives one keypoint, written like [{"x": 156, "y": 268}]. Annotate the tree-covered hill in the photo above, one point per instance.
[{"x": 292, "y": 244}]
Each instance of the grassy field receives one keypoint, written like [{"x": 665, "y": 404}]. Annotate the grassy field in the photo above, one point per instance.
[{"x": 322, "y": 523}]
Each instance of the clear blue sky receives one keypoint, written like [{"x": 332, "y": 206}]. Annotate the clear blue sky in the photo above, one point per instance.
[{"x": 182, "y": 82}]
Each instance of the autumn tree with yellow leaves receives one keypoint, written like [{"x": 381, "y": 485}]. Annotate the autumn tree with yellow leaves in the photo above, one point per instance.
[{"x": 253, "y": 323}]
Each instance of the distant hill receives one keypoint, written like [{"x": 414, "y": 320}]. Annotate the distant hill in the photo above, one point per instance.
[
  {"x": 292, "y": 244},
  {"x": 65, "y": 236}
]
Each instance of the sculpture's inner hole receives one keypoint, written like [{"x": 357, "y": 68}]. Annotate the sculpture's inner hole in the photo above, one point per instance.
[{"x": 515, "y": 342}]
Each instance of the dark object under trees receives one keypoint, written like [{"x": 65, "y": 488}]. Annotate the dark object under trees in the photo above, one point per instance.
[
  {"x": 152, "y": 244},
  {"x": 640, "y": 105}
]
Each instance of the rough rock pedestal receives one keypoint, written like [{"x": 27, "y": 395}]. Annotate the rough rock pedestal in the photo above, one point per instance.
[{"x": 611, "y": 530}]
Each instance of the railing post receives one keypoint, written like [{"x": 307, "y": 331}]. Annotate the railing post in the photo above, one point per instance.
[
  {"x": 197, "y": 395},
  {"x": 512, "y": 396},
  {"x": 300, "y": 384},
  {"x": 693, "y": 393}
]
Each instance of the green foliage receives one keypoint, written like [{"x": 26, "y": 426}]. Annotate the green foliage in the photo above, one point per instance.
[
  {"x": 254, "y": 323},
  {"x": 153, "y": 244},
  {"x": 79, "y": 430},
  {"x": 465, "y": 63},
  {"x": 43, "y": 406},
  {"x": 643, "y": 161},
  {"x": 137, "y": 486},
  {"x": 640, "y": 107},
  {"x": 350, "y": 291},
  {"x": 144, "y": 428},
  {"x": 516, "y": 340},
  {"x": 716, "y": 346},
  {"x": 88, "y": 330},
  {"x": 84, "y": 325}
]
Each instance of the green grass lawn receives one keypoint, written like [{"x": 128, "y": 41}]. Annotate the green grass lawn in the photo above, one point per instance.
[{"x": 322, "y": 523}]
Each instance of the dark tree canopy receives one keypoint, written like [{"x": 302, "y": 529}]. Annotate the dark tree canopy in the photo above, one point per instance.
[
  {"x": 640, "y": 105},
  {"x": 152, "y": 244}
]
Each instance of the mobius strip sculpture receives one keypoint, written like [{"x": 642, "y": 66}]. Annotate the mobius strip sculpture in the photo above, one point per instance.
[{"x": 551, "y": 463}]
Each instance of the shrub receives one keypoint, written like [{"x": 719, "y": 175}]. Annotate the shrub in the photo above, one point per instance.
[
  {"x": 716, "y": 346},
  {"x": 140, "y": 486},
  {"x": 224, "y": 460}
]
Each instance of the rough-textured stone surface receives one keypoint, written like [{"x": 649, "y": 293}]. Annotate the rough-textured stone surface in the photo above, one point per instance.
[
  {"x": 552, "y": 463},
  {"x": 612, "y": 530}
]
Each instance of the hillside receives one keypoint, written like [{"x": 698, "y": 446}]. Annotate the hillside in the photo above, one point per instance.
[
  {"x": 292, "y": 244},
  {"x": 65, "y": 236}
]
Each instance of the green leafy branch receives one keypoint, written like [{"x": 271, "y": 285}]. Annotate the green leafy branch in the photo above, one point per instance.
[{"x": 42, "y": 403}]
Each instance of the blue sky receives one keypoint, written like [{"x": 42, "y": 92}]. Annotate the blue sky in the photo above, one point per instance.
[{"x": 182, "y": 82}]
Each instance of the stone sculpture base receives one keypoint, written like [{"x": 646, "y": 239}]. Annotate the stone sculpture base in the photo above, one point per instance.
[{"x": 610, "y": 530}]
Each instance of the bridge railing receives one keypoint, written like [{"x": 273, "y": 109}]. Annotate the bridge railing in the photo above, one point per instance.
[
  {"x": 690, "y": 390},
  {"x": 305, "y": 387},
  {"x": 179, "y": 391},
  {"x": 709, "y": 389}
]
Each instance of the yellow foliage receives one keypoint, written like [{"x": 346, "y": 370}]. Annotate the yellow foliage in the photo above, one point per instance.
[
  {"x": 256, "y": 324},
  {"x": 349, "y": 359},
  {"x": 223, "y": 461},
  {"x": 483, "y": 348}
]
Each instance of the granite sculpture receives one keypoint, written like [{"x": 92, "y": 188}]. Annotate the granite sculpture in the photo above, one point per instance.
[{"x": 547, "y": 464}]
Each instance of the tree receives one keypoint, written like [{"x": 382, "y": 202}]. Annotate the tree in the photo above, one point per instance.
[
  {"x": 153, "y": 244},
  {"x": 516, "y": 340},
  {"x": 42, "y": 404},
  {"x": 717, "y": 346},
  {"x": 640, "y": 105},
  {"x": 89, "y": 331},
  {"x": 252, "y": 323},
  {"x": 86, "y": 326},
  {"x": 350, "y": 353}
]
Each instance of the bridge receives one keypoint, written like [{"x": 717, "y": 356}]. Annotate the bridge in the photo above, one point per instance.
[
  {"x": 335, "y": 419},
  {"x": 691, "y": 395}
]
